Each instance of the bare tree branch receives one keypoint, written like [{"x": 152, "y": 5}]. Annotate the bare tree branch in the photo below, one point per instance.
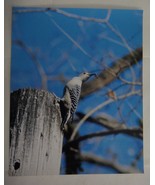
[
  {"x": 30, "y": 10},
  {"x": 67, "y": 14},
  {"x": 103, "y": 121},
  {"x": 91, "y": 158},
  {"x": 105, "y": 76},
  {"x": 135, "y": 132},
  {"x": 99, "y": 107}
]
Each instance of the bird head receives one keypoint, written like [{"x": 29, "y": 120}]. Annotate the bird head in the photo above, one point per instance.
[{"x": 85, "y": 76}]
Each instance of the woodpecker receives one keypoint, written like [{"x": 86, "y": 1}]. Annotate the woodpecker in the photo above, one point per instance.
[{"x": 71, "y": 95}]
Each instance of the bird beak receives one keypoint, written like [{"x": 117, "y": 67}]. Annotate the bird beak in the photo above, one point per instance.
[{"x": 94, "y": 74}]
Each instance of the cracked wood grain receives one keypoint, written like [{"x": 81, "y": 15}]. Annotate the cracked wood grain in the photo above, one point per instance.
[{"x": 35, "y": 136}]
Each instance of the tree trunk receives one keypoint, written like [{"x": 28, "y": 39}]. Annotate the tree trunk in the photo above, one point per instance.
[{"x": 35, "y": 135}]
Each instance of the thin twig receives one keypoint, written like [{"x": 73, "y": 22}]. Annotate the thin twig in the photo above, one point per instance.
[
  {"x": 68, "y": 36},
  {"x": 120, "y": 36},
  {"x": 112, "y": 40},
  {"x": 130, "y": 83},
  {"x": 91, "y": 158},
  {"x": 30, "y": 52},
  {"x": 134, "y": 110},
  {"x": 137, "y": 158}
]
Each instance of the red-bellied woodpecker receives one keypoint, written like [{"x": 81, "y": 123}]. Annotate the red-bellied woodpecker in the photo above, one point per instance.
[{"x": 69, "y": 102}]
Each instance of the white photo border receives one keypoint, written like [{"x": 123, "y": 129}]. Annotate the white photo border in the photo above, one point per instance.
[{"x": 121, "y": 179}]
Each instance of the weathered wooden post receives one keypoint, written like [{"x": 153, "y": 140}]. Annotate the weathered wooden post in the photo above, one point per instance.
[{"x": 35, "y": 135}]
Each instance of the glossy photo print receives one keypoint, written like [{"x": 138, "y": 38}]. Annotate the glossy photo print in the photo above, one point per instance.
[{"x": 76, "y": 100}]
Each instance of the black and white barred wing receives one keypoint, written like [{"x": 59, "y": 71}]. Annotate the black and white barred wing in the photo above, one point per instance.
[{"x": 74, "y": 95}]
